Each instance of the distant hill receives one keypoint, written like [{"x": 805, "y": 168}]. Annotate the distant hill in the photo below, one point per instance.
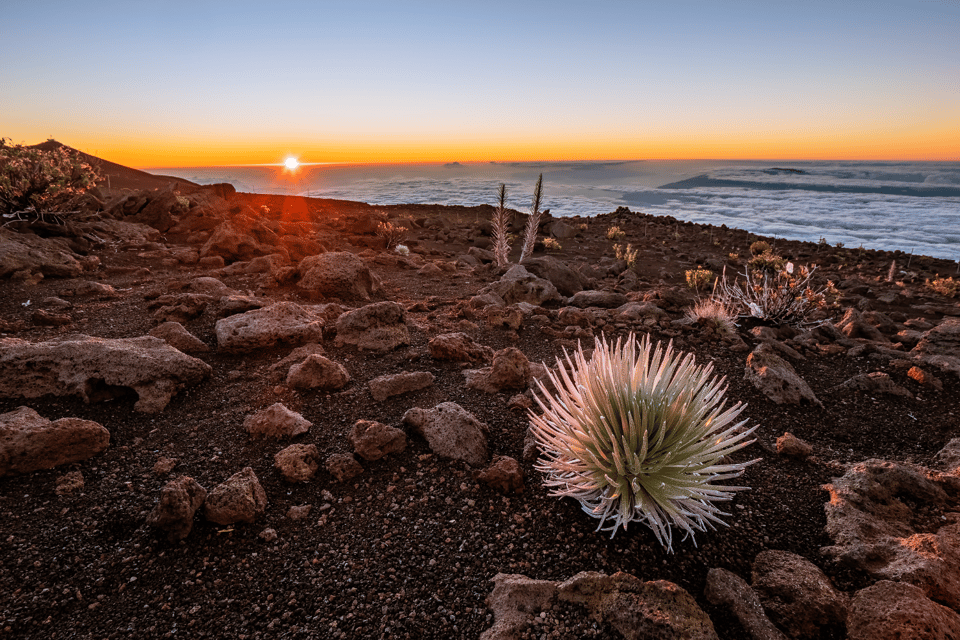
[{"x": 117, "y": 176}]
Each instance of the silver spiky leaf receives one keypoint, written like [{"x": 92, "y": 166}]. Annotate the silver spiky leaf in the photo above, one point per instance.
[{"x": 640, "y": 437}]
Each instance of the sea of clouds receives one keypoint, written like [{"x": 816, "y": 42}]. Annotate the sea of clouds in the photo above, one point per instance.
[{"x": 854, "y": 203}]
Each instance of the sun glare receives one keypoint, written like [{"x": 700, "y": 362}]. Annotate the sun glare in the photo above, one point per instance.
[{"x": 291, "y": 163}]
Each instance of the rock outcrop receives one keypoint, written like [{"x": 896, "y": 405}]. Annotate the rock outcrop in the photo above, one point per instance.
[
  {"x": 97, "y": 369},
  {"x": 885, "y": 519}
]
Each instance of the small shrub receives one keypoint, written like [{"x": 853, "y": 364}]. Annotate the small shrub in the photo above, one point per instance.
[
  {"x": 391, "y": 233},
  {"x": 628, "y": 254},
  {"x": 402, "y": 249},
  {"x": 640, "y": 437},
  {"x": 583, "y": 226},
  {"x": 767, "y": 261},
  {"x": 783, "y": 299},
  {"x": 714, "y": 313},
  {"x": 946, "y": 287},
  {"x": 733, "y": 257},
  {"x": 699, "y": 278},
  {"x": 551, "y": 244},
  {"x": 759, "y": 247},
  {"x": 35, "y": 182},
  {"x": 616, "y": 233}
]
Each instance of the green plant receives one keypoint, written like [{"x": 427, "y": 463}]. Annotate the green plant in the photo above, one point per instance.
[
  {"x": 628, "y": 254},
  {"x": 767, "y": 261},
  {"x": 391, "y": 233},
  {"x": 36, "y": 182},
  {"x": 616, "y": 233},
  {"x": 699, "y": 278},
  {"x": 759, "y": 247},
  {"x": 640, "y": 437},
  {"x": 946, "y": 287}
]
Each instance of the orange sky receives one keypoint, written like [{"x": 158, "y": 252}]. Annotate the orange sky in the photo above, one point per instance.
[{"x": 438, "y": 81}]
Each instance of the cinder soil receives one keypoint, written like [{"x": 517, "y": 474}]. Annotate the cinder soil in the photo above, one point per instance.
[{"x": 408, "y": 548}]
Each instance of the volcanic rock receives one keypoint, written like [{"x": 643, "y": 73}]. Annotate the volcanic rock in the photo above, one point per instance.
[
  {"x": 285, "y": 322},
  {"x": 893, "y": 610},
  {"x": 298, "y": 462},
  {"x": 179, "y": 338},
  {"x": 374, "y": 440},
  {"x": 338, "y": 275},
  {"x": 378, "y": 327},
  {"x": 276, "y": 421},
  {"x": 504, "y": 474},
  {"x": 97, "y": 368},
  {"x": 774, "y": 376},
  {"x": 30, "y": 442},
  {"x": 873, "y": 521},
  {"x": 317, "y": 372},
  {"x": 459, "y": 347},
  {"x": 386, "y": 386},
  {"x": 451, "y": 432},
  {"x": 239, "y": 499},
  {"x": 796, "y": 594},
  {"x": 727, "y": 589},
  {"x": 179, "y": 500}
]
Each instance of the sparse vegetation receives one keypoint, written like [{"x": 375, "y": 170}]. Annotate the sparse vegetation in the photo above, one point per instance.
[
  {"x": 391, "y": 233},
  {"x": 616, "y": 233},
  {"x": 782, "y": 299},
  {"x": 699, "y": 278},
  {"x": 640, "y": 437},
  {"x": 715, "y": 313},
  {"x": 759, "y": 247},
  {"x": 767, "y": 261},
  {"x": 37, "y": 183},
  {"x": 551, "y": 244},
  {"x": 946, "y": 287},
  {"x": 628, "y": 254}
]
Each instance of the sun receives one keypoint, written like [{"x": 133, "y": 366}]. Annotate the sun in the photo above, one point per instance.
[{"x": 291, "y": 163}]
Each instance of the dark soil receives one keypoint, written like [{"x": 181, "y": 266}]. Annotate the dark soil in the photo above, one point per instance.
[{"x": 408, "y": 548}]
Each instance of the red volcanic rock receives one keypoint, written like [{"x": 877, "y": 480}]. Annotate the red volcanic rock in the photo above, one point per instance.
[{"x": 29, "y": 442}]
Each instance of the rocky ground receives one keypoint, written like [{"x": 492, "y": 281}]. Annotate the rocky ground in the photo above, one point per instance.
[{"x": 408, "y": 545}]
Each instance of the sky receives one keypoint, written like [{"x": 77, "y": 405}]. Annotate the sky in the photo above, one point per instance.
[{"x": 168, "y": 84}]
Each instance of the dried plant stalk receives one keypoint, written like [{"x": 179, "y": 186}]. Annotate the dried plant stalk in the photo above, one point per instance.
[
  {"x": 501, "y": 249},
  {"x": 533, "y": 222}
]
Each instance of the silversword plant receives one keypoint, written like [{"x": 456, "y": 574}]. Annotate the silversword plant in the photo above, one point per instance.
[
  {"x": 501, "y": 244},
  {"x": 640, "y": 437}
]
